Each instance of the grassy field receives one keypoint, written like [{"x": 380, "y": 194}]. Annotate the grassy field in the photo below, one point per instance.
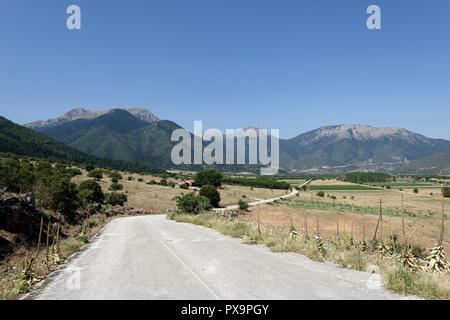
[
  {"x": 160, "y": 199},
  {"x": 340, "y": 187}
]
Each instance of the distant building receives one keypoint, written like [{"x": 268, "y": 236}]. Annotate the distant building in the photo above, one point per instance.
[{"x": 190, "y": 183}]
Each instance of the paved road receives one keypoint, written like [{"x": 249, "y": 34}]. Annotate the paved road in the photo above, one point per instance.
[{"x": 154, "y": 258}]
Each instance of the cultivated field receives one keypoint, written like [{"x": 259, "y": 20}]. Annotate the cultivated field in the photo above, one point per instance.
[{"x": 353, "y": 207}]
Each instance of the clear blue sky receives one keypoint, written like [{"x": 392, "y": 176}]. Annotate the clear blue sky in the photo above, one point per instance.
[{"x": 289, "y": 64}]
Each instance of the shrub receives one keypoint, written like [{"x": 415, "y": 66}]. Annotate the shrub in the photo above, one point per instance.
[
  {"x": 171, "y": 184},
  {"x": 89, "y": 167},
  {"x": 209, "y": 176},
  {"x": 320, "y": 194},
  {"x": 211, "y": 193},
  {"x": 243, "y": 205},
  {"x": 115, "y": 175},
  {"x": 163, "y": 182},
  {"x": 97, "y": 174},
  {"x": 446, "y": 192},
  {"x": 416, "y": 190},
  {"x": 116, "y": 186},
  {"x": 115, "y": 199},
  {"x": 140, "y": 179},
  {"x": 57, "y": 194},
  {"x": 191, "y": 203},
  {"x": 90, "y": 191}
]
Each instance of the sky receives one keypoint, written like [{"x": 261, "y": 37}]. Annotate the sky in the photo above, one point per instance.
[{"x": 293, "y": 65}]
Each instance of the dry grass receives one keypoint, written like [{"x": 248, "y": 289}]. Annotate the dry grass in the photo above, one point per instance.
[
  {"x": 420, "y": 232},
  {"x": 12, "y": 286},
  {"x": 160, "y": 199}
]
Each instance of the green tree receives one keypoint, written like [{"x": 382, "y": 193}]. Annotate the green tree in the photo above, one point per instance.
[
  {"x": 97, "y": 174},
  {"x": 243, "y": 205},
  {"x": 211, "y": 193},
  {"x": 446, "y": 192},
  {"x": 115, "y": 175},
  {"x": 57, "y": 194},
  {"x": 191, "y": 203},
  {"x": 116, "y": 186},
  {"x": 209, "y": 176},
  {"x": 116, "y": 199},
  {"x": 90, "y": 191}
]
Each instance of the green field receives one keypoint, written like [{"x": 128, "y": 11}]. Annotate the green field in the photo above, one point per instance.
[
  {"x": 399, "y": 184},
  {"x": 340, "y": 187}
]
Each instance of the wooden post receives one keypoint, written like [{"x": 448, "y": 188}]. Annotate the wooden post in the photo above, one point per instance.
[
  {"x": 364, "y": 226},
  {"x": 259, "y": 224},
  {"x": 306, "y": 223},
  {"x": 47, "y": 246},
  {"x": 381, "y": 221},
  {"x": 353, "y": 220},
  {"x": 441, "y": 236},
  {"x": 337, "y": 223},
  {"x": 39, "y": 240},
  {"x": 403, "y": 223},
  {"x": 380, "y": 217},
  {"x": 317, "y": 225}
]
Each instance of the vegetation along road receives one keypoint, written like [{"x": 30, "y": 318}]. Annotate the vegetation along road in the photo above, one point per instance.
[{"x": 150, "y": 257}]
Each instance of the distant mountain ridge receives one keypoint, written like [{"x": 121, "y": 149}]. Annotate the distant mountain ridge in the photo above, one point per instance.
[
  {"x": 19, "y": 140},
  {"x": 356, "y": 147},
  {"x": 120, "y": 134},
  {"x": 83, "y": 114}
]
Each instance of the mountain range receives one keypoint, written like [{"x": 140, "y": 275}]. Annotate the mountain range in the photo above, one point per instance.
[
  {"x": 19, "y": 140},
  {"x": 138, "y": 135}
]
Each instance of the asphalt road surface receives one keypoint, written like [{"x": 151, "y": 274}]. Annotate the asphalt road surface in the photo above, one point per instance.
[{"x": 154, "y": 258}]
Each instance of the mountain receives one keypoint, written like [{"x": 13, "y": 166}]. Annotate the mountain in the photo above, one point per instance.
[
  {"x": 83, "y": 114},
  {"x": 122, "y": 134},
  {"x": 118, "y": 134},
  {"x": 356, "y": 147},
  {"x": 19, "y": 140},
  {"x": 438, "y": 163}
]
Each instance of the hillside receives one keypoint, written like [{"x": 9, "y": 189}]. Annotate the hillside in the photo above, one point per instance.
[
  {"x": 121, "y": 134},
  {"x": 349, "y": 147},
  {"x": 23, "y": 141},
  {"x": 438, "y": 163}
]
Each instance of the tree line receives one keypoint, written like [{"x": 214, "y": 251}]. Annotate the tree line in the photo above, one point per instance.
[{"x": 367, "y": 177}]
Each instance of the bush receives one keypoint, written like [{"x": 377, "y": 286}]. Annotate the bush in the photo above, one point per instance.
[
  {"x": 211, "y": 193},
  {"x": 97, "y": 174},
  {"x": 209, "y": 176},
  {"x": 416, "y": 190},
  {"x": 320, "y": 194},
  {"x": 57, "y": 194},
  {"x": 191, "y": 203},
  {"x": 116, "y": 186},
  {"x": 171, "y": 184},
  {"x": 184, "y": 186},
  {"x": 446, "y": 192},
  {"x": 243, "y": 205},
  {"x": 163, "y": 182},
  {"x": 89, "y": 167},
  {"x": 115, "y": 199},
  {"x": 140, "y": 179},
  {"x": 115, "y": 175},
  {"x": 90, "y": 191}
]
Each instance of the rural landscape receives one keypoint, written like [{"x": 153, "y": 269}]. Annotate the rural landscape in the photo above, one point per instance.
[
  {"x": 214, "y": 152},
  {"x": 55, "y": 199}
]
